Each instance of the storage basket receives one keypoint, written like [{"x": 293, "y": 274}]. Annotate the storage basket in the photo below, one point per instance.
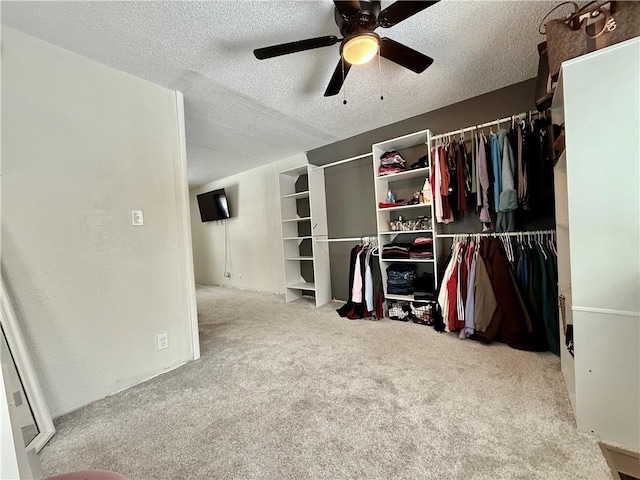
[
  {"x": 399, "y": 310},
  {"x": 422, "y": 313}
]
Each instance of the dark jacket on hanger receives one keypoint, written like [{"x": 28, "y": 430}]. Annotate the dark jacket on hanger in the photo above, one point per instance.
[{"x": 511, "y": 321}]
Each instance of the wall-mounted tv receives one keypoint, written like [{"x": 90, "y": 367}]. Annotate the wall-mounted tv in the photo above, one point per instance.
[{"x": 213, "y": 205}]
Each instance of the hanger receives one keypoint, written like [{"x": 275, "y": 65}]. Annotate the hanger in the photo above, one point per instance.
[
  {"x": 511, "y": 256},
  {"x": 544, "y": 253},
  {"x": 551, "y": 243}
]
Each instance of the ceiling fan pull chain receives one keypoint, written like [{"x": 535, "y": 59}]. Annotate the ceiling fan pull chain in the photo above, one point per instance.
[
  {"x": 344, "y": 87},
  {"x": 380, "y": 74}
]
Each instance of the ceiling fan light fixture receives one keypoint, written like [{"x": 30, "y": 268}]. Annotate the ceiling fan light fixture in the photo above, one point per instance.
[{"x": 360, "y": 48}]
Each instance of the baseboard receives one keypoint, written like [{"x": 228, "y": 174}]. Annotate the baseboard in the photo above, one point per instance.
[{"x": 621, "y": 461}]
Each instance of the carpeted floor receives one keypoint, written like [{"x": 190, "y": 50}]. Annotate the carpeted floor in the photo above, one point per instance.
[{"x": 288, "y": 391}]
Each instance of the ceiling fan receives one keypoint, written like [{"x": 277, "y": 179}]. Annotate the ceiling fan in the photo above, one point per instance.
[{"x": 357, "y": 20}]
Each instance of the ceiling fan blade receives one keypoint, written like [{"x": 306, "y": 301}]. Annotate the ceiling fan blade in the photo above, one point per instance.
[
  {"x": 401, "y": 10},
  {"x": 337, "y": 79},
  {"x": 293, "y": 47},
  {"x": 346, "y": 8},
  {"x": 404, "y": 56}
]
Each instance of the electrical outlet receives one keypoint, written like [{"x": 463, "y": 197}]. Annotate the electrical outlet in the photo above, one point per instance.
[
  {"x": 137, "y": 218},
  {"x": 163, "y": 341},
  {"x": 227, "y": 274}
]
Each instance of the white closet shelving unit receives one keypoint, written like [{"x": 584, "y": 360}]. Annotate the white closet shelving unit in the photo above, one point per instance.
[
  {"x": 304, "y": 226},
  {"x": 403, "y": 184},
  {"x": 564, "y": 270},
  {"x": 597, "y": 209}
]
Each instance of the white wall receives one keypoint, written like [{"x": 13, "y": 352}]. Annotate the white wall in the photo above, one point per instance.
[
  {"x": 82, "y": 145},
  {"x": 254, "y": 230}
]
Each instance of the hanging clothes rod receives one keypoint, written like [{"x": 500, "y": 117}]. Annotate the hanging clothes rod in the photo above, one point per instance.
[
  {"x": 488, "y": 124},
  {"x": 369, "y": 238},
  {"x": 340, "y": 162},
  {"x": 527, "y": 233}
]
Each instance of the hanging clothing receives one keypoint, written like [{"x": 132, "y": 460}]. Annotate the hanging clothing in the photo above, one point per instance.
[
  {"x": 485, "y": 300},
  {"x": 476, "y": 153},
  {"x": 523, "y": 188},
  {"x": 507, "y": 324},
  {"x": 496, "y": 162},
  {"x": 508, "y": 197},
  {"x": 368, "y": 282},
  {"x": 461, "y": 160},
  {"x": 365, "y": 286},
  {"x": 436, "y": 183},
  {"x": 469, "y": 319},
  {"x": 356, "y": 290},
  {"x": 475, "y": 181},
  {"x": 451, "y": 157},
  {"x": 481, "y": 295},
  {"x": 445, "y": 190},
  {"x": 483, "y": 176},
  {"x": 443, "y": 295}
]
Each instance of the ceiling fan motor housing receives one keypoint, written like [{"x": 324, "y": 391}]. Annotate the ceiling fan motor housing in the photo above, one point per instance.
[{"x": 364, "y": 20}]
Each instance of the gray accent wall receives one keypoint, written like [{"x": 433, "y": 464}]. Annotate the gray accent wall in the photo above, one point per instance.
[{"x": 349, "y": 187}]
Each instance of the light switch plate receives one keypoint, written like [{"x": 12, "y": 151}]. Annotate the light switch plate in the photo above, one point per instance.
[{"x": 137, "y": 218}]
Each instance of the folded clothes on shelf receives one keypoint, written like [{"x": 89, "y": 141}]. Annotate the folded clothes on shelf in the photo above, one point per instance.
[
  {"x": 382, "y": 170},
  {"x": 421, "y": 248},
  {"x": 396, "y": 250},
  {"x": 391, "y": 162},
  {"x": 422, "y": 241},
  {"x": 391, "y": 158},
  {"x": 423, "y": 162},
  {"x": 398, "y": 203},
  {"x": 400, "y": 278},
  {"x": 421, "y": 255}
]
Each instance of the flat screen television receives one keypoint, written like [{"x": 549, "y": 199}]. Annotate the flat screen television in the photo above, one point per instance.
[{"x": 213, "y": 205}]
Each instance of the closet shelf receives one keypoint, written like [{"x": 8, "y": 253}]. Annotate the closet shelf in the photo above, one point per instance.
[
  {"x": 407, "y": 298},
  {"x": 302, "y": 219},
  {"x": 296, "y": 171},
  {"x": 418, "y": 172},
  {"x": 303, "y": 286},
  {"x": 407, "y": 260},
  {"x": 297, "y": 238},
  {"x": 299, "y": 258},
  {"x": 297, "y": 195},
  {"x": 406, "y": 207},
  {"x": 398, "y": 232}
]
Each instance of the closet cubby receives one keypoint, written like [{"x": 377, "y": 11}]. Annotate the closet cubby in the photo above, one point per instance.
[{"x": 303, "y": 221}]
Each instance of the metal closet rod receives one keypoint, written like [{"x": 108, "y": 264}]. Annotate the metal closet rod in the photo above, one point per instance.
[
  {"x": 339, "y": 162},
  {"x": 370, "y": 238},
  {"x": 530, "y": 113},
  {"x": 527, "y": 233}
]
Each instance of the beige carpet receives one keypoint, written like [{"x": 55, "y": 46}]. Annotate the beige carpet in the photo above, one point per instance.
[{"x": 288, "y": 391}]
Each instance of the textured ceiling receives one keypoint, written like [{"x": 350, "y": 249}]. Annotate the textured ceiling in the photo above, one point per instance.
[{"x": 241, "y": 112}]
